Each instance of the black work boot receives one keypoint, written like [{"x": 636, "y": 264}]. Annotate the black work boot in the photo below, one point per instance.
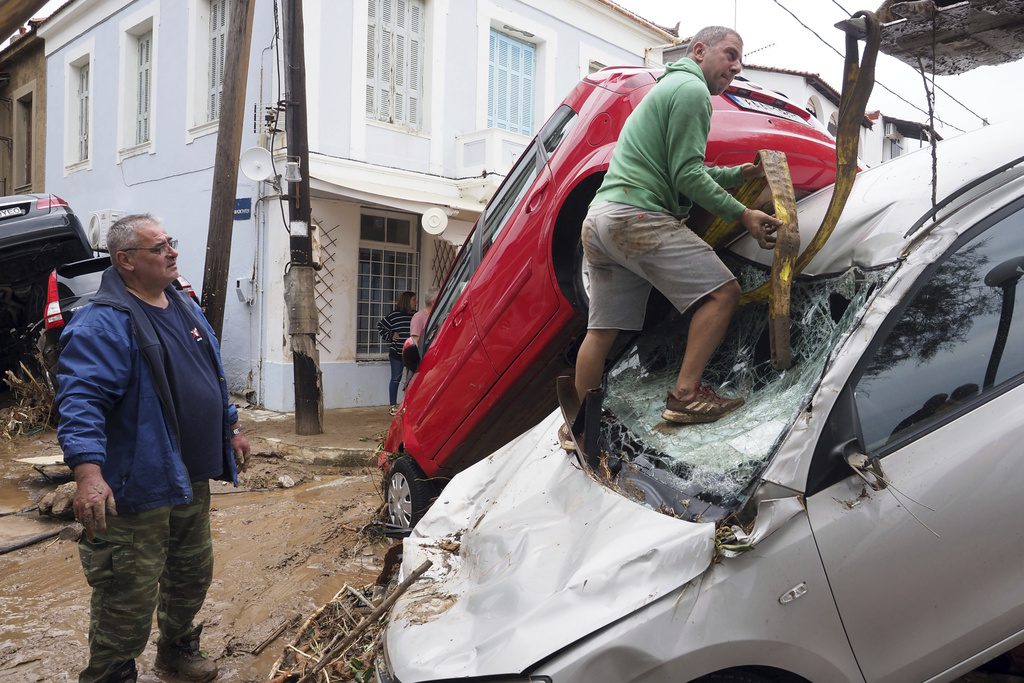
[
  {"x": 125, "y": 673},
  {"x": 184, "y": 659}
]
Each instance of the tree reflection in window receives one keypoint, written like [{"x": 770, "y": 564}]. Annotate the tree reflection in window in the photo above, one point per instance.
[{"x": 956, "y": 340}]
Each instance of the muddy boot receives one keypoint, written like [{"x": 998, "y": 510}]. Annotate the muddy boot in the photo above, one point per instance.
[
  {"x": 184, "y": 659},
  {"x": 126, "y": 673}
]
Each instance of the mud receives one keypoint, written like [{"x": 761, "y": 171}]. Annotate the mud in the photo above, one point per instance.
[{"x": 280, "y": 553}]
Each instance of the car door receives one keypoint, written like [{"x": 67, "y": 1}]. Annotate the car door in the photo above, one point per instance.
[
  {"x": 454, "y": 374},
  {"x": 929, "y": 571}
]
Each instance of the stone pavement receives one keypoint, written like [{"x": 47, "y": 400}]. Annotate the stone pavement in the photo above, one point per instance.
[{"x": 350, "y": 439}]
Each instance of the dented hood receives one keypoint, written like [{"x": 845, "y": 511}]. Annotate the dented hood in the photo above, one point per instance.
[{"x": 530, "y": 554}]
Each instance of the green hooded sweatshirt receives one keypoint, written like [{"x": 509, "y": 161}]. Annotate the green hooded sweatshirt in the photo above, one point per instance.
[{"x": 658, "y": 162}]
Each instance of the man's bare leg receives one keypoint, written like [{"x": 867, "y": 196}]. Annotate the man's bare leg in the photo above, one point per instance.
[
  {"x": 590, "y": 359},
  {"x": 707, "y": 328}
]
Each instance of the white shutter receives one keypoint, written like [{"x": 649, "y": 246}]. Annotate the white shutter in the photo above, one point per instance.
[
  {"x": 217, "y": 42},
  {"x": 145, "y": 67},
  {"x": 83, "y": 112},
  {"x": 394, "y": 61}
]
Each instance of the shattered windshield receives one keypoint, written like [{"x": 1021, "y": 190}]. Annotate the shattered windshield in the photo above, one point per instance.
[{"x": 706, "y": 468}]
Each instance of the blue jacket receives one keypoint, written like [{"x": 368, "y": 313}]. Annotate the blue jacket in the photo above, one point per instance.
[{"x": 115, "y": 400}]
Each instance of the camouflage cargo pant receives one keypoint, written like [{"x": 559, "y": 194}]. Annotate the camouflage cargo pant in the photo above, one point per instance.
[{"x": 160, "y": 559}]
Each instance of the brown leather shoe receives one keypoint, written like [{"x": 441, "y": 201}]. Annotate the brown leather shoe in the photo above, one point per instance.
[
  {"x": 184, "y": 659},
  {"x": 705, "y": 406}
]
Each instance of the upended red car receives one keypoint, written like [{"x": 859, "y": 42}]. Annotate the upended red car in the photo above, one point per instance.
[{"x": 512, "y": 312}]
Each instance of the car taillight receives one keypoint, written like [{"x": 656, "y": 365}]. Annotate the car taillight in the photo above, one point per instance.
[
  {"x": 52, "y": 316},
  {"x": 186, "y": 287},
  {"x": 50, "y": 201}
]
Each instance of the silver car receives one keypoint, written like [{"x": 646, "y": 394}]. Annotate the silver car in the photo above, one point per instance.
[{"x": 854, "y": 521}]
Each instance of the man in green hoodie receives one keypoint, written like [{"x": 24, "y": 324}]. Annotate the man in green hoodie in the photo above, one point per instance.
[{"x": 635, "y": 234}]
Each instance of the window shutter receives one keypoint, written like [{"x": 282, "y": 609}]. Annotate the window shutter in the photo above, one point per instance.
[
  {"x": 83, "y": 112},
  {"x": 145, "y": 46},
  {"x": 510, "y": 84},
  {"x": 394, "y": 59},
  {"x": 218, "y": 41}
]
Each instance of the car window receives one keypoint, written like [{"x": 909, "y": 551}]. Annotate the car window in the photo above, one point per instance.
[
  {"x": 508, "y": 196},
  {"x": 449, "y": 294},
  {"x": 557, "y": 128},
  {"x": 525, "y": 171},
  {"x": 957, "y": 342}
]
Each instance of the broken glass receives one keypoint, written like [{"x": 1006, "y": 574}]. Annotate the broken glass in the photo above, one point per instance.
[{"x": 710, "y": 466}]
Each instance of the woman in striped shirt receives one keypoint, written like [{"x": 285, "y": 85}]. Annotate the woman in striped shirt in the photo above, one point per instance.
[{"x": 394, "y": 329}]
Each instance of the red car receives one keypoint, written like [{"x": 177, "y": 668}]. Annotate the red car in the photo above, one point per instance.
[{"x": 513, "y": 309}]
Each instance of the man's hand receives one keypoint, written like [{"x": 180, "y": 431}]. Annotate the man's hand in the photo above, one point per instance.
[
  {"x": 761, "y": 226},
  {"x": 751, "y": 171},
  {"x": 93, "y": 500},
  {"x": 240, "y": 447}
]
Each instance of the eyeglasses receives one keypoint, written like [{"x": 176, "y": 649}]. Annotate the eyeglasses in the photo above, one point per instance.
[{"x": 156, "y": 249}]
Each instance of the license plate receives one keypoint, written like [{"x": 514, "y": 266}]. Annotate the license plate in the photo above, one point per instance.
[
  {"x": 756, "y": 105},
  {"x": 11, "y": 212}
]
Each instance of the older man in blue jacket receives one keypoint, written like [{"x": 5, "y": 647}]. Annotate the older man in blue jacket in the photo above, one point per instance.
[{"x": 145, "y": 424}]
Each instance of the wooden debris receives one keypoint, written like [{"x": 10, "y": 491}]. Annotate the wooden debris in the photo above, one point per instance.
[
  {"x": 33, "y": 406},
  {"x": 331, "y": 645}
]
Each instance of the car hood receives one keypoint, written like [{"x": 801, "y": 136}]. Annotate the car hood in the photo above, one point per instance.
[{"x": 530, "y": 553}]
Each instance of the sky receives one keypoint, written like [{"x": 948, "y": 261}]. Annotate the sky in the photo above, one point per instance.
[{"x": 772, "y": 37}]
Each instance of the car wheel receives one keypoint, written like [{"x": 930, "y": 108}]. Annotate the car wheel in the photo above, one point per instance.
[
  {"x": 580, "y": 279},
  {"x": 408, "y": 492},
  {"x": 750, "y": 675}
]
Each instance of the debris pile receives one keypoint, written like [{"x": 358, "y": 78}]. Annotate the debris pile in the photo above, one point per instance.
[
  {"x": 32, "y": 407},
  {"x": 340, "y": 641}
]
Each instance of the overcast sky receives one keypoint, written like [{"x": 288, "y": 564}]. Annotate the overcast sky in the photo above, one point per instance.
[{"x": 772, "y": 37}]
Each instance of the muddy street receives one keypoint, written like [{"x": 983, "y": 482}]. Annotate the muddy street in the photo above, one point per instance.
[{"x": 280, "y": 553}]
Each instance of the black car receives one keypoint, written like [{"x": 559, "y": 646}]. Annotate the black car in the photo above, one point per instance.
[{"x": 38, "y": 232}]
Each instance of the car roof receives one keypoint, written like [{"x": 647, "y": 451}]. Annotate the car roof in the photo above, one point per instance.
[{"x": 891, "y": 198}]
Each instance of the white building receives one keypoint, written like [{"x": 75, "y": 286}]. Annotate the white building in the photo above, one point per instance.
[{"x": 413, "y": 105}]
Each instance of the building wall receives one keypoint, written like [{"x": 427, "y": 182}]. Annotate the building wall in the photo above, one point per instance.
[
  {"x": 23, "y": 101},
  {"x": 362, "y": 164}
]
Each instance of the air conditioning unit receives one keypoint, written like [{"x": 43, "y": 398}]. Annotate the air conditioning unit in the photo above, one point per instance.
[{"x": 99, "y": 223}]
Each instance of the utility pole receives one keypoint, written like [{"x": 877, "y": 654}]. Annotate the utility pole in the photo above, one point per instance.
[
  {"x": 303, "y": 316},
  {"x": 225, "y": 164}
]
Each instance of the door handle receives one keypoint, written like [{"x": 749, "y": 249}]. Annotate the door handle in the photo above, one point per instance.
[
  {"x": 535, "y": 199},
  {"x": 457, "y": 314}
]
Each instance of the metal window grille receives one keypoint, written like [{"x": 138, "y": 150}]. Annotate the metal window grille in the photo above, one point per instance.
[
  {"x": 383, "y": 275},
  {"x": 218, "y": 39},
  {"x": 83, "y": 112},
  {"x": 444, "y": 257},
  {"x": 145, "y": 70},
  {"x": 394, "y": 61}
]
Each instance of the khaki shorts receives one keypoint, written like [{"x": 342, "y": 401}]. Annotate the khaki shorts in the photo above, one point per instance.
[{"x": 628, "y": 250}]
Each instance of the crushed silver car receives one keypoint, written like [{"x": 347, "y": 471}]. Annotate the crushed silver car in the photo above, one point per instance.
[{"x": 853, "y": 521}]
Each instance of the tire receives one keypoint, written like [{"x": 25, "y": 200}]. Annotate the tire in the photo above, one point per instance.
[
  {"x": 580, "y": 279},
  {"x": 750, "y": 675},
  {"x": 408, "y": 493}
]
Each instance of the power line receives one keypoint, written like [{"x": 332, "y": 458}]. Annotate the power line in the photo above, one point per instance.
[
  {"x": 938, "y": 87},
  {"x": 883, "y": 85}
]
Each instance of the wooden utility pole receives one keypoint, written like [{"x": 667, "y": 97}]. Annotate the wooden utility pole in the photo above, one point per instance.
[
  {"x": 225, "y": 165},
  {"x": 299, "y": 280},
  {"x": 15, "y": 13}
]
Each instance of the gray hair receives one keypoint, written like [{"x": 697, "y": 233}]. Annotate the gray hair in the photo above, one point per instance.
[
  {"x": 710, "y": 35},
  {"x": 122, "y": 234},
  {"x": 431, "y": 298}
]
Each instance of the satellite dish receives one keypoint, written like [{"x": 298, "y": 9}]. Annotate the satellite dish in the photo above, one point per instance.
[
  {"x": 434, "y": 221},
  {"x": 256, "y": 164}
]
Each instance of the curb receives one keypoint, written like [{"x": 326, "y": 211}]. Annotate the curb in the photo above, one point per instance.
[{"x": 316, "y": 455}]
